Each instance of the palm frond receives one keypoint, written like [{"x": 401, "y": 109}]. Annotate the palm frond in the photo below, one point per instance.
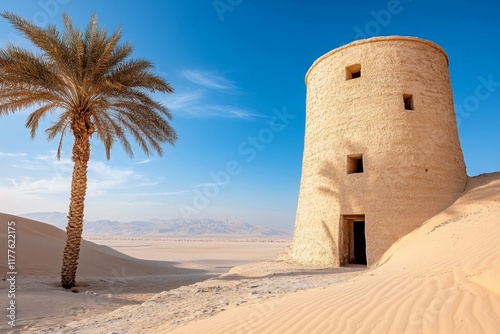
[{"x": 90, "y": 77}]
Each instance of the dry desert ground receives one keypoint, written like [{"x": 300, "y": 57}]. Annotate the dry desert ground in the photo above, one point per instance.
[
  {"x": 113, "y": 271},
  {"x": 443, "y": 277}
]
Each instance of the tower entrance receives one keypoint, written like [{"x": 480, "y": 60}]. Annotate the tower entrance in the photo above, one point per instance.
[{"x": 352, "y": 240}]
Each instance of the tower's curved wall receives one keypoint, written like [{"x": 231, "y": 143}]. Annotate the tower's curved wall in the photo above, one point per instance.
[{"x": 398, "y": 118}]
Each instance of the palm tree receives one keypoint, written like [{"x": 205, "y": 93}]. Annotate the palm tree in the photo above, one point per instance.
[{"x": 88, "y": 79}]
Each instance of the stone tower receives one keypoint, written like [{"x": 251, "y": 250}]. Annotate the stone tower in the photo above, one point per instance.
[{"x": 381, "y": 153}]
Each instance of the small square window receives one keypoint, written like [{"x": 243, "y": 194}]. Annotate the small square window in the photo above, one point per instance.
[
  {"x": 408, "y": 101},
  {"x": 353, "y": 72},
  {"x": 355, "y": 163}
]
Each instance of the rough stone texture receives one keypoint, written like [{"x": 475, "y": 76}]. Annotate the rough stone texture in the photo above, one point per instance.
[{"x": 412, "y": 160}]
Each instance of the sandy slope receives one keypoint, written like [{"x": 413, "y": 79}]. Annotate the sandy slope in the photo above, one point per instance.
[{"x": 442, "y": 278}]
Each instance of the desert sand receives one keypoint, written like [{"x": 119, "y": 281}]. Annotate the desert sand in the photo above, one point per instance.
[
  {"x": 108, "y": 279},
  {"x": 443, "y": 277}
]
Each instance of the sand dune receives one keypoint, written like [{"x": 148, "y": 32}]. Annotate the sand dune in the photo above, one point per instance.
[
  {"x": 39, "y": 253},
  {"x": 442, "y": 278}
]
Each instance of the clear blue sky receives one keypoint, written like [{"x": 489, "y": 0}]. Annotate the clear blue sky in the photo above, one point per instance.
[{"x": 235, "y": 66}]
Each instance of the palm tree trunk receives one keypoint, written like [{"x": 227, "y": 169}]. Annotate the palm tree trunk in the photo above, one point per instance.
[{"x": 81, "y": 155}]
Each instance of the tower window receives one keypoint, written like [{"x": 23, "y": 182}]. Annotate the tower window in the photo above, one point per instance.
[
  {"x": 408, "y": 101},
  {"x": 353, "y": 71},
  {"x": 355, "y": 163}
]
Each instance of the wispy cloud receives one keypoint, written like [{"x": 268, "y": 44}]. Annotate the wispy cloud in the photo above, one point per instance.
[
  {"x": 194, "y": 104},
  {"x": 44, "y": 162},
  {"x": 102, "y": 177},
  {"x": 172, "y": 193},
  {"x": 56, "y": 184},
  {"x": 199, "y": 102},
  {"x": 209, "y": 80},
  {"x": 29, "y": 165},
  {"x": 182, "y": 100},
  {"x": 15, "y": 155},
  {"x": 145, "y": 161},
  {"x": 149, "y": 194},
  {"x": 220, "y": 111}
]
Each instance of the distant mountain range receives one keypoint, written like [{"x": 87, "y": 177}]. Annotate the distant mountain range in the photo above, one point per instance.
[{"x": 161, "y": 227}]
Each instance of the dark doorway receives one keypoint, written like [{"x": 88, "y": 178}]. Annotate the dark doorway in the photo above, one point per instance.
[
  {"x": 352, "y": 240},
  {"x": 359, "y": 243}
]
